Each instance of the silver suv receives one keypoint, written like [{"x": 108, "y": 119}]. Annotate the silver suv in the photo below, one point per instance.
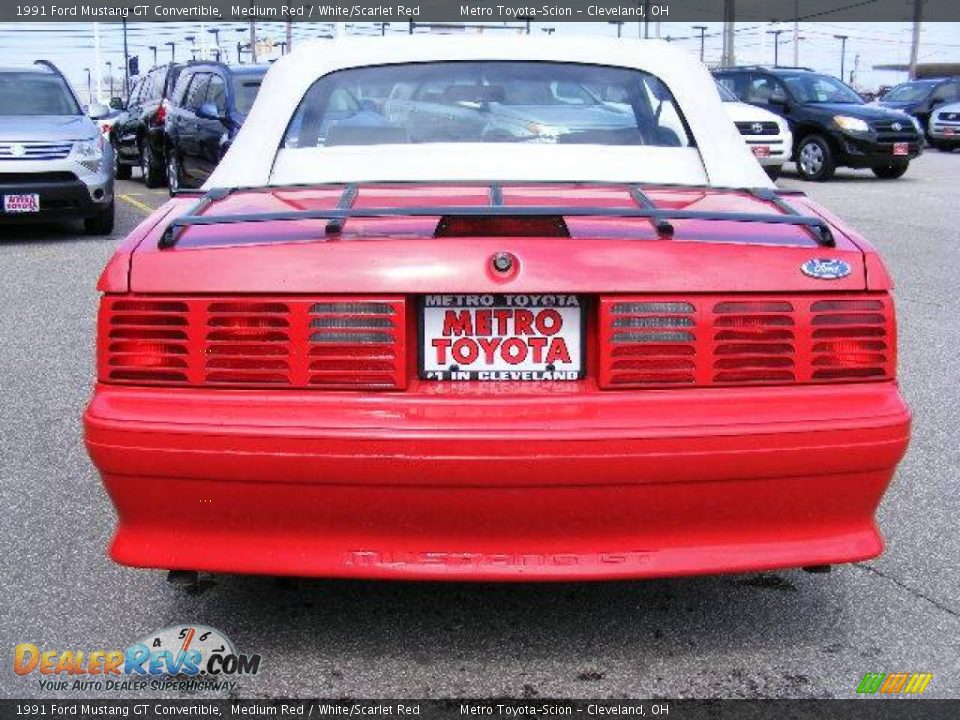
[{"x": 54, "y": 162}]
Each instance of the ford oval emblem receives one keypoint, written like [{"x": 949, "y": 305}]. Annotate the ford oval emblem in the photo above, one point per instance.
[{"x": 825, "y": 268}]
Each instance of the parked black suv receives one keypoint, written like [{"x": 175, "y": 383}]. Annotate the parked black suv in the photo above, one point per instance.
[
  {"x": 139, "y": 136},
  {"x": 921, "y": 97},
  {"x": 207, "y": 107},
  {"x": 832, "y": 126}
]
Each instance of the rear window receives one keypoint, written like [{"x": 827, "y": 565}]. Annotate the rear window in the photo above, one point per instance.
[
  {"x": 499, "y": 102},
  {"x": 911, "y": 92},
  {"x": 245, "y": 89},
  {"x": 27, "y": 93}
]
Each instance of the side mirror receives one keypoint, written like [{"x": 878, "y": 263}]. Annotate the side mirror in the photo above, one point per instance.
[
  {"x": 208, "y": 111},
  {"x": 778, "y": 98},
  {"x": 936, "y": 102},
  {"x": 98, "y": 111},
  {"x": 117, "y": 103}
]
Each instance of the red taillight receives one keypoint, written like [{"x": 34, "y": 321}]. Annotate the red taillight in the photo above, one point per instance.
[
  {"x": 715, "y": 341},
  {"x": 501, "y": 226},
  {"x": 143, "y": 341},
  {"x": 160, "y": 116},
  {"x": 852, "y": 339},
  {"x": 332, "y": 343},
  {"x": 648, "y": 342},
  {"x": 741, "y": 355}
]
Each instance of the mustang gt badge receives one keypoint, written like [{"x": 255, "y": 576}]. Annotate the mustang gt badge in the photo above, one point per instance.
[{"x": 825, "y": 269}]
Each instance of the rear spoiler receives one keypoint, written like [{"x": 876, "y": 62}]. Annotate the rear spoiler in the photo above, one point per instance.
[{"x": 642, "y": 207}]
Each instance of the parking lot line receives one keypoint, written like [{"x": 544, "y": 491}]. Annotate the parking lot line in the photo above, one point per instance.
[{"x": 140, "y": 205}]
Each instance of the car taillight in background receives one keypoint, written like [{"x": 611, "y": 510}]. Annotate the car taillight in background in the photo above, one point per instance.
[
  {"x": 160, "y": 116},
  {"x": 716, "y": 340},
  {"x": 328, "y": 342}
]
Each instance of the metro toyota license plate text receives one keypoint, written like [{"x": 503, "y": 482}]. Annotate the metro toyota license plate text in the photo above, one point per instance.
[
  {"x": 501, "y": 337},
  {"x": 29, "y": 203}
]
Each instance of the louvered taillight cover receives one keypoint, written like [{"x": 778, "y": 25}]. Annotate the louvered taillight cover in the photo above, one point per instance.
[
  {"x": 717, "y": 340},
  {"x": 320, "y": 342}
]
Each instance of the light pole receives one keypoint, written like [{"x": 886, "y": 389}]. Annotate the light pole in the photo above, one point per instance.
[
  {"x": 703, "y": 38},
  {"x": 154, "y": 48},
  {"x": 548, "y": 30},
  {"x": 843, "y": 53},
  {"x": 240, "y": 47},
  {"x": 89, "y": 86},
  {"x": 776, "y": 46},
  {"x": 193, "y": 45},
  {"x": 109, "y": 65},
  {"x": 619, "y": 24},
  {"x": 173, "y": 49},
  {"x": 216, "y": 41},
  {"x": 126, "y": 61}
]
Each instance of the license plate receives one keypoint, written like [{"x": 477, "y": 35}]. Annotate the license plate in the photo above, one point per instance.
[
  {"x": 29, "y": 203},
  {"x": 901, "y": 148},
  {"x": 949, "y": 131},
  {"x": 501, "y": 337},
  {"x": 761, "y": 151}
]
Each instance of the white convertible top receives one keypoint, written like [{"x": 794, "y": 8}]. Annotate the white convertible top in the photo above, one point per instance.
[{"x": 257, "y": 157}]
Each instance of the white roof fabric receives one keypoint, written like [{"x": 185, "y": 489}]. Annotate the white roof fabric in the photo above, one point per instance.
[{"x": 721, "y": 158}]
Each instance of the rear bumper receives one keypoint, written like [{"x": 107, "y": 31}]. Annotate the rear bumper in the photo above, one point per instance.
[
  {"x": 566, "y": 487},
  {"x": 868, "y": 153},
  {"x": 945, "y": 132},
  {"x": 780, "y": 149}
]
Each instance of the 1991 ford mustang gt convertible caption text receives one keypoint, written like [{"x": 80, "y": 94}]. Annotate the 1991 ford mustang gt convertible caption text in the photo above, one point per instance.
[{"x": 494, "y": 309}]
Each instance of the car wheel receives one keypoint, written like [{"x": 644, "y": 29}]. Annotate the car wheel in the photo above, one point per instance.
[
  {"x": 120, "y": 171},
  {"x": 891, "y": 172},
  {"x": 150, "y": 167},
  {"x": 815, "y": 159},
  {"x": 174, "y": 174},
  {"x": 101, "y": 223},
  {"x": 773, "y": 171}
]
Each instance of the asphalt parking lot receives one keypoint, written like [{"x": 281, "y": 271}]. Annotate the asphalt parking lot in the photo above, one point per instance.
[{"x": 787, "y": 634}]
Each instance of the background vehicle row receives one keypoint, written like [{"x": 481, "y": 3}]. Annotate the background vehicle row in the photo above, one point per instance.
[{"x": 832, "y": 125}]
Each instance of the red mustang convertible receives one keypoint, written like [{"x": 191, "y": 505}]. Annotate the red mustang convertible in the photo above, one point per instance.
[{"x": 494, "y": 310}]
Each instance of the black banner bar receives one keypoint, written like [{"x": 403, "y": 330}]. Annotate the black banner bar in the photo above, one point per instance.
[
  {"x": 472, "y": 11},
  {"x": 509, "y": 709}
]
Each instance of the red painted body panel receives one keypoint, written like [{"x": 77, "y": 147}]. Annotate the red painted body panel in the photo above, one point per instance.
[
  {"x": 603, "y": 485},
  {"x": 497, "y": 481},
  {"x": 400, "y": 255}
]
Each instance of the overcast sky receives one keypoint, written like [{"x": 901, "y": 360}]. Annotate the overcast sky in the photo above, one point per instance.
[{"x": 70, "y": 45}]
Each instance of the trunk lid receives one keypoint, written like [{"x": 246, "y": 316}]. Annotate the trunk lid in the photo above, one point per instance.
[{"x": 401, "y": 254}]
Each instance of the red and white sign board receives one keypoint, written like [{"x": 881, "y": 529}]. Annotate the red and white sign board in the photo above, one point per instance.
[
  {"x": 29, "y": 203},
  {"x": 501, "y": 337}
]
